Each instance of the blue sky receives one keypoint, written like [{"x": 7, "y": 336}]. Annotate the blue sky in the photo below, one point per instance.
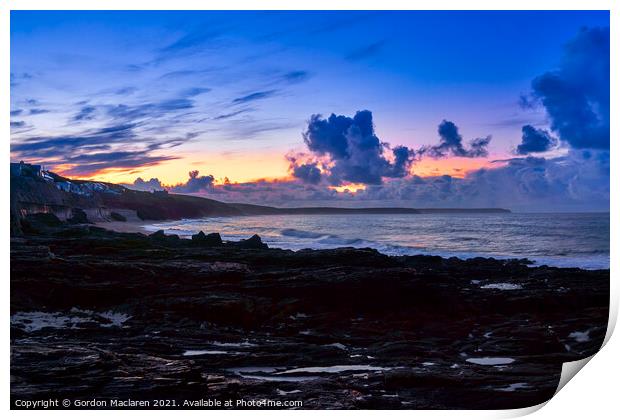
[{"x": 118, "y": 95}]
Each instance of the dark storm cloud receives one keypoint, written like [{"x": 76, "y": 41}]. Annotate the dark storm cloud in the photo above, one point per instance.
[
  {"x": 307, "y": 172},
  {"x": 327, "y": 136},
  {"x": 366, "y": 51},
  {"x": 535, "y": 140},
  {"x": 254, "y": 96},
  {"x": 354, "y": 152},
  {"x": 403, "y": 158},
  {"x": 451, "y": 143},
  {"x": 576, "y": 96}
]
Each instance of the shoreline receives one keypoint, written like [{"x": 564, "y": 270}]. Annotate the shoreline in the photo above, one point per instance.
[
  {"x": 125, "y": 227},
  {"x": 138, "y": 226}
]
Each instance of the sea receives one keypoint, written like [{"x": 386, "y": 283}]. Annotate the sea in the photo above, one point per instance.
[{"x": 555, "y": 239}]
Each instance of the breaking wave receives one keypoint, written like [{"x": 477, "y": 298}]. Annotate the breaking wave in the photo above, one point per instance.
[{"x": 542, "y": 238}]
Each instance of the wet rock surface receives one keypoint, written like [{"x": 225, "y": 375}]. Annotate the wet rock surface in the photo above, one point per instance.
[{"x": 99, "y": 314}]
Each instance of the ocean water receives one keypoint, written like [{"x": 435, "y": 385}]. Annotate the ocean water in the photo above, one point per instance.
[{"x": 556, "y": 239}]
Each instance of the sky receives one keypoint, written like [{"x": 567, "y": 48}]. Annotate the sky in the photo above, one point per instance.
[{"x": 428, "y": 109}]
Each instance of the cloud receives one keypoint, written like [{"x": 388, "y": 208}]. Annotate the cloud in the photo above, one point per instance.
[
  {"x": 190, "y": 41},
  {"x": 153, "y": 184},
  {"x": 131, "y": 161},
  {"x": 86, "y": 113},
  {"x": 232, "y": 114},
  {"x": 351, "y": 150},
  {"x": 149, "y": 110},
  {"x": 115, "y": 147},
  {"x": 535, "y": 140},
  {"x": 254, "y": 96},
  {"x": 16, "y": 112},
  {"x": 129, "y": 135},
  {"x": 193, "y": 42},
  {"x": 194, "y": 91},
  {"x": 15, "y": 78},
  {"x": 127, "y": 90},
  {"x": 17, "y": 124},
  {"x": 296, "y": 76},
  {"x": 37, "y": 111},
  {"x": 281, "y": 193},
  {"x": 249, "y": 128},
  {"x": 451, "y": 143},
  {"x": 576, "y": 182},
  {"x": 42, "y": 147},
  {"x": 174, "y": 104},
  {"x": 366, "y": 51},
  {"x": 307, "y": 172},
  {"x": 194, "y": 184},
  {"x": 576, "y": 95}
]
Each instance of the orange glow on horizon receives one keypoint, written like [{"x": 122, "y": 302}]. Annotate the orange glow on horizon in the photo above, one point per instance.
[
  {"x": 238, "y": 168},
  {"x": 457, "y": 167},
  {"x": 352, "y": 188},
  {"x": 258, "y": 167}
]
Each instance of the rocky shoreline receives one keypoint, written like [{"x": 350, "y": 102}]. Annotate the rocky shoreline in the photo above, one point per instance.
[{"x": 103, "y": 315}]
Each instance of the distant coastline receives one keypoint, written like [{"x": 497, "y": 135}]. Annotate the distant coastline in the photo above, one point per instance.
[{"x": 34, "y": 190}]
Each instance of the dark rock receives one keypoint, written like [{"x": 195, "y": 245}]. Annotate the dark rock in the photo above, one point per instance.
[
  {"x": 95, "y": 312},
  {"x": 117, "y": 217},
  {"x": 40, "y": 222},
  {"x": 158, "y": 235},
  {"x": 78, "y": 217},
  {"x": 254, "y": 242},
  {"x": 212, "y": 239},
  {"x": 161, "y": 238}
]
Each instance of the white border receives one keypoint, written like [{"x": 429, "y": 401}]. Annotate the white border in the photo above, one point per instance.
[{"x": 593, "y": 394}]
